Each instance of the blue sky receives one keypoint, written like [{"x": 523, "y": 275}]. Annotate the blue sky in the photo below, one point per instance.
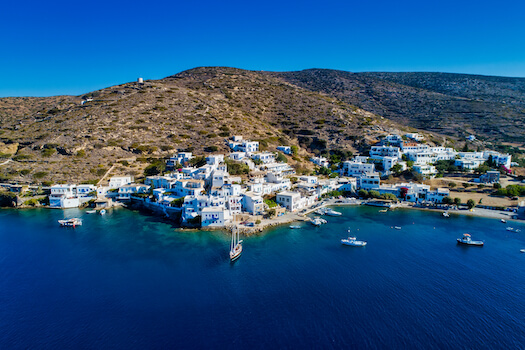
[{"x": 59, "y": 47}]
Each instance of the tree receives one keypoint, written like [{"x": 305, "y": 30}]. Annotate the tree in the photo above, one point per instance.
[
  {"x": 448, "y": 200},
  {"x": 397, "y": 169},
  {"x": 452, "y": 184},
  {"x": 281, "y": 158},
  {"x": 471, "y": 204},
  {"x": 373, "y": 194},
  {"x": 363, "y": 193},
  {"x": 457, "y": 201},
  {"x": 496, "y": 186},
  {"x": 294, "y": 149}
]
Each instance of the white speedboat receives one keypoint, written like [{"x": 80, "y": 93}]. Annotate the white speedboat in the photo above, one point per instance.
[
  {"x": 235, "y": 246},
  {"x": 446, "y": 214},
  {"x": 351, "y": 241},
  {"x": 332, "y": 212},
  {"x": 522, "y": 250},
  {"x": 102, "y": 212},
  {"x": 91, "y": 212},
  {"x": 73, "y": 222},
  {"x": 295, "y": 226},
  {"x": 503, "y": 221},
  {"x": 397, "y": 227},
  {"x": 318, "y": 221},
  {"x": 512, "y": 229},
  {"x": 466, "y": 240}
]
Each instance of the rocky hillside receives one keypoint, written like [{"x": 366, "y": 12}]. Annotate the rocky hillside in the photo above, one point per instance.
[
  {"x": 62, "y": 139},
  {"x": 492, "y": 108}
]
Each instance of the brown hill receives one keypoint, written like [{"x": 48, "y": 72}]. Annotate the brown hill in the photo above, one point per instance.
[{"x": 61, "y": 139}]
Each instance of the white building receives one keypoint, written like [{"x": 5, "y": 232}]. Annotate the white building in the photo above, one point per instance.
[
  {"x": 321, "y": 161},
  {"x": 125, "y": 192},
  {"x": 356, "y": 168},
  {"x": 63, "y": 196},
  {"x": 369, "y": 181},
  {"x": 290, "y": 200},
  {"x": 117, "y": 181},
  {"x": 253, "y": 203},
  {"x": 285, "y": 149},
  {"x": 214, "y": 217},
  {"x": 265, "y": 157},
  {"x": 425, "y": 170},
  {"x": 415, "y": 136},
  {"x": 378, "y": 152}
]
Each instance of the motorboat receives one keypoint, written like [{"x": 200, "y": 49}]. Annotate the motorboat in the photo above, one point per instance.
[
  {"x": 351, "y": 241},
  {"x": 102, "y": 212},
  {"x": 512, "y": 229},
  {"x": 383, "y": 210},
  {"x": 73, "y": 222},
  {"x": 503, "y": 221},
  {"x": 235, "y": 246},
  {"x": 91, "y": 212},
  {"x": 321, "y": 211},
  {"x": 332, "y": 212},
  {"x": 295, "y": 226},
  {"x": 318, "y": 221},
  {"x": 397, "y": 227},
  {"x": 467, "y": 240},
  {"x": 446, "y": 214},
  {"x": 522, "y": 250}
]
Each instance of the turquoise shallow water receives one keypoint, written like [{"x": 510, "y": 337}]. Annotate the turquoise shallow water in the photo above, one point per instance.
[{"x": 128, "y": 280}]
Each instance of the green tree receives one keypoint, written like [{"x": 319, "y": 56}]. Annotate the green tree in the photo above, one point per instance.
[
  {"x": 448, "y": 200},
  {"x": 363, "y": 193},
  {"x": 281, "y": 158},
  {"x": 373, "y": 194},
  {"x": 294, "y": 149},
  {"x": 457, "y": 201},
  {"x": 397, "y": 169},
  {"x": 471, "y": 204}
]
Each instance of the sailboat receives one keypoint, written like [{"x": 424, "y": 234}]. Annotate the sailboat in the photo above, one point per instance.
[{"x": 235, "y": 246}]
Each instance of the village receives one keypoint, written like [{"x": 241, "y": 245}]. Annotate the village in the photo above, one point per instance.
[{"x": 247, "y": 185}]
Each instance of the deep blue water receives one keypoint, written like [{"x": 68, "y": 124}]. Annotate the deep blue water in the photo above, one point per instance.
[{"x": 128, "y": 280}]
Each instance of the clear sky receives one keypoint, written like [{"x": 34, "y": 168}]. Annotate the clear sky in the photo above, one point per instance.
[{"x": 73, "y": 47}]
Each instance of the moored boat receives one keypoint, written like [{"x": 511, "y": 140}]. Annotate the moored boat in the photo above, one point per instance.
[
  {"x": 503, "y": 221},
  {"x": 352, "y": 241},
  {"x": 91, "y": 212},
  {"x": 235, "y": 246},
  {"x": 512, "y": 229},
  {"x": 332, "y": 212},
  {"x": 522, "y": 250},
  {"x": 102, "y": 212},
  {"x": 295, "y": 226},
  {"x": 467, "y": 240},
  {"x": 73, "y": 222},
  {"x": 318, "y": 221},
  {"x": 446, "y": 214},
  {"x": 397, "y": 227}
]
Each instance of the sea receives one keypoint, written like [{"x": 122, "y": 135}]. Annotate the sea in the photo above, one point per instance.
[{"x": 131, "y": 280}]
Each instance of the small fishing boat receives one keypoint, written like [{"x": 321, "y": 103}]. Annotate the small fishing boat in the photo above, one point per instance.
[
  {"x": 235, "y": 246},
  {"x": 503, "y": 221},
  {"x": 512, "y": 229},
  {"x": 102, "y": 212},
  {"x": 318, "y": 221},
  {"x": 466, "y": 240},
  {"x": 522, "y": 250},
  {"x": 91, "y": 212},
  {"x": 332, "y": 212},
  {"x": 446, "y": 214},
  {"x": 73, "y": 222},
  {"x": 295, "y": 226},
  {"x": 397, "y": 227},
  {"x": 383, "y": 210},
  {"x": 351, "y": 241}
]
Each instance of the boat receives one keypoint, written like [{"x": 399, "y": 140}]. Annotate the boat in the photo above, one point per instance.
[
  {"x": 102, "y": 212},
  {"x": 446, "y": 214},
  {"x": 295, "y": 226},
  {"x": 321, "y": 211},
  {"x": 467, "y": 240},
  {"x": 332, "y": 212},
  {"x": 503, "y": 221},
  {"x": 383, "y": 210},
  {"x": 235, "y": 246},
  {"x": 351, "y": 241},
  {"x": 73, "y": 222},
  {"x": 318, "y": 221},
  {"x": 91, "y": 212},
  {"x": 512, "y": 229},
  {"x": 522, "y": 250},
  {"x": 397, "y": 227}
]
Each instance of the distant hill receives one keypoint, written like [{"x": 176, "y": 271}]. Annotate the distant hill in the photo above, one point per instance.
[
  {"x": 61, "y": 139},
  {"x": 490, "y": 107}
]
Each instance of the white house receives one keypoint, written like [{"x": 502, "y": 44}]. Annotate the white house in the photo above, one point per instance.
[
  {"x": 378, "y": 152},
  {"x": 265, "y": 157},
  {"x": 63, "y": 196},
  {"x": 253, "y": 203},
  {"x": 369, "y": 181},
  {"x": 285, "y": 149},
  {"x": 117, "y": 181},
  {"x": 437, "y": 195},
  {"x": 356, "y": 168},
  {"x": 214, "y": 217},
  {"x": 415, "y": 136},
  {"x": 125, "y": 192},
  {"x": 290, "y": 200},
  {"x": 321, "y": 161},
  {"x": 237, "y": 155},
  {"x": 309, "y": 179},
  {"x": 425, "y": 170}
]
